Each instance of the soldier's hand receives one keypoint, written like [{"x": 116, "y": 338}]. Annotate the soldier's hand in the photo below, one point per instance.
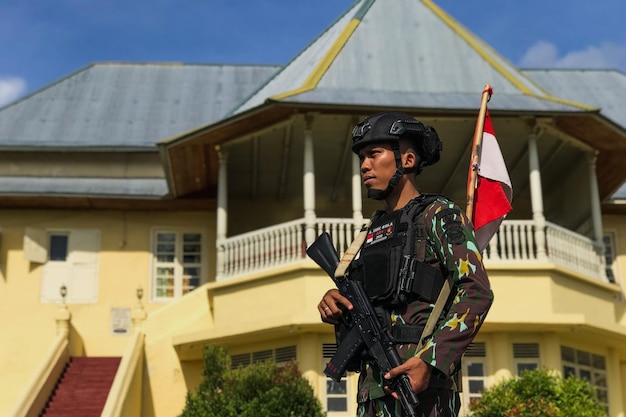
[
  {"x": 418, "y": 372},
  {"x": 331, "y": 305}
]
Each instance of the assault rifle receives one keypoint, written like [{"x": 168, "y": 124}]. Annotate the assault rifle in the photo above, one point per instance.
[{"x": 364, "y": 329}]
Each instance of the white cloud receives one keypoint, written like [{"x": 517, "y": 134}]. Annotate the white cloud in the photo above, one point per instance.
[
  {"x": 546, "y": 55},
  {"x": 10, "y": 89}
]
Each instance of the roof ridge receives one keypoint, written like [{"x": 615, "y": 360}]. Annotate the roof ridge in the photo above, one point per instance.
[
  {"x": 322, "y": 66},
  {"x": 472, "y": 40},
  {"x": 312, "y": 42},
  {"x": 514, "y": 78}
]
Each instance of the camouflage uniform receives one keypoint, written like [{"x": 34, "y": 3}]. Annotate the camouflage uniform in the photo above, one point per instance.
[{"x": 451, "y": 245}]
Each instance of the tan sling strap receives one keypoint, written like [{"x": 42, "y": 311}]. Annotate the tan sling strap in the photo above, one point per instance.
[
  {"x": 350, "y": 253},
  {"x": 349, "y": 256}
]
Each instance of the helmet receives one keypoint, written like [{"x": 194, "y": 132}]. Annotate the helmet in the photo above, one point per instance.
[{"x": 391, "y": 127}]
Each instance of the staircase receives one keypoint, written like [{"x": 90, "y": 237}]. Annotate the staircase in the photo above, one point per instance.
[{"x": 83, "y": 387}]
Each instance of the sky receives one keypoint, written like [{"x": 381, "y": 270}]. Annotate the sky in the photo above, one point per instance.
[{"x": 44, "y": 41}]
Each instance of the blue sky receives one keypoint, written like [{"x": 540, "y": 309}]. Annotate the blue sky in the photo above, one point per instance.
[{"x": 43, "y": 41}]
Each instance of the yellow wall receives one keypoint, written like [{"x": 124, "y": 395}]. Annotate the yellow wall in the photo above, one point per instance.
[
  {"x": 274, "y": 309},
  {"x": 28, "y": 327}
]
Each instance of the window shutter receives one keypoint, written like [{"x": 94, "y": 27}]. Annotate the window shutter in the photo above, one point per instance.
[
  {"x": 36, "y": 245},
  {"x": 84, "y": 246}
]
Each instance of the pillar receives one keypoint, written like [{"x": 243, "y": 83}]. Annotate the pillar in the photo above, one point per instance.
[
  {"x": 310, "y": 219},
  {"x": 222, "y": 208},
  {"x": 536, "y": 195},
  {"x": 596, "y": 213}
]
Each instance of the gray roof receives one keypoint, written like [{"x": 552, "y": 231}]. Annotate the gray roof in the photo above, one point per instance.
[
  {"x": 122, "y": 106},
  {"x": 95, "y": 187},
  {"x": 441, "y": 101},
  {"x": 395, "y": 53},
  {"x": 605, "y": 89},
  {"x": 403, "y": 52}
]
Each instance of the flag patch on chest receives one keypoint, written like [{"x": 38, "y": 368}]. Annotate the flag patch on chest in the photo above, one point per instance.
[{"x": 380, "y": 233}]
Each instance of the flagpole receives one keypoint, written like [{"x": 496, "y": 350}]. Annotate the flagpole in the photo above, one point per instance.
[{"x": 476, "y": 145}]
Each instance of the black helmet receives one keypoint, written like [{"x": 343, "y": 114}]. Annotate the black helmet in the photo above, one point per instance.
[{"x": 393, "y": 126}]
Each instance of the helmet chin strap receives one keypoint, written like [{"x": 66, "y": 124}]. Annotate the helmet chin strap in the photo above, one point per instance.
[{"x": 393, "y": 182}]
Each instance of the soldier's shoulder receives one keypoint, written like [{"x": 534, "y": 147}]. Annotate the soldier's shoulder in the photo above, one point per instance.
[{"x": 437, "y": 202}]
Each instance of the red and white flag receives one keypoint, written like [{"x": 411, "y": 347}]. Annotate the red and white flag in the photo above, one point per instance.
[{"x": 493, "y": 194}]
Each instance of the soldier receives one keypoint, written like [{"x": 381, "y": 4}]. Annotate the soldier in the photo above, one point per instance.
[{"x": 412, "y": 246}]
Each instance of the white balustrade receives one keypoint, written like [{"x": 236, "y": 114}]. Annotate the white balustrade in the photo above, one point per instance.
[
  {"x": 574, "y": 251},
  {"x": 513, "y": 242},
  {"x": 284, "y": 243}
]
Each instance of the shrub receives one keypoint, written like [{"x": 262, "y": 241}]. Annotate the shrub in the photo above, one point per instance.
[
  {"x": 260, "y": 390},
  {"x": 539, "y": 393}
]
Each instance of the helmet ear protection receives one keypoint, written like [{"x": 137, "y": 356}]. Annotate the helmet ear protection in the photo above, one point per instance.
[{"x": 390, "y": 127}]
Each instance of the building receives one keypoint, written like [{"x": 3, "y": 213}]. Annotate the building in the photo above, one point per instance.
[{"x": 173, "y": 204}]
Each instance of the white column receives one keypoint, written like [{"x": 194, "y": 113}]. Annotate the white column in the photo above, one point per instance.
[
  {"x": 536, "y": 195},
  {"x": 222, "y": 208},
  {"x": 596, "y": 213},
  {"x": 357, "y": 198},
  {"x": 309, "y": 183}
]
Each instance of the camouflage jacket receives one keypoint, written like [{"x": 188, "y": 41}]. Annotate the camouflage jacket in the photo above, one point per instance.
[{"x": 451, "y": 245}]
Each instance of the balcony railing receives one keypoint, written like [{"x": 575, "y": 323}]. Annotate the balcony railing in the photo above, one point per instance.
[{"x": 516, "y": 241}]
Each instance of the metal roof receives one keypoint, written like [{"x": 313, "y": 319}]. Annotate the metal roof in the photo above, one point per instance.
[
  {"x": 122, "y": 105},
  {"x": 424, "y": 100},
  {"x": 605, "y": 89},
  {"x": 389, "y": 50},
  {"x": 94, "y": 187}
]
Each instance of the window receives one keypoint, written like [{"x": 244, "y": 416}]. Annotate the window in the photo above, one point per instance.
[
  {"x": 525, "y": 356},
  {"x": 58, "y": 247},
  {"x": 609, "y": 255},
  {"x": 69, "y": 258},
  {"x": 474, "y": 372},
  {"x": 279, "y": 355},
  {"x": 587, "y": 366},
  {"x": 336, "y": 393},
  {"x": 178, "y": 263}
]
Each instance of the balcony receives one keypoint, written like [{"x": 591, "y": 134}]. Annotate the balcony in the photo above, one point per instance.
[{"x": 514, "y": 245}]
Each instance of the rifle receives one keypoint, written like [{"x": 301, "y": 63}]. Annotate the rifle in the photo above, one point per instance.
[{"x": 364, "y": 328}]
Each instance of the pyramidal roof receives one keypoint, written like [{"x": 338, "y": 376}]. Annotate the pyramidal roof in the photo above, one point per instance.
[{"x": 406, "y": 53}]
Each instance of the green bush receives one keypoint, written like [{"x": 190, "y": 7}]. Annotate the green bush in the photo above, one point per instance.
[
  {"x": 260, "y": 390},
  {"x": 539, "y": 393}
]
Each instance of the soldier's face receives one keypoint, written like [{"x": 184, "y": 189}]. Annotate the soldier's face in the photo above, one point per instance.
[{"x": 378, "y": 164}]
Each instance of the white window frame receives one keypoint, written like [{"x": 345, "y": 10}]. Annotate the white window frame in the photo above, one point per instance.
[
  {"x": 597, "y": 375},
  {"x": 475, "y": 354},
  {"x": 178, "y": 266},
  {"x": 328, "y": 350},
  {"x": 526, "y": 353}
]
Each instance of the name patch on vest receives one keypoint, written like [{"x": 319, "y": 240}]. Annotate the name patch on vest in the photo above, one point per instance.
[{"x": 380, "y": 233}]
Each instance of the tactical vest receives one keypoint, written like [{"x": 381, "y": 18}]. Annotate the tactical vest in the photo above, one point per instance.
[{"x": 391, "y": 265}]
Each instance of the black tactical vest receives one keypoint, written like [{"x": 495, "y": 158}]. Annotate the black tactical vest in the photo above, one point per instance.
[{"x": 391, "y": 264}]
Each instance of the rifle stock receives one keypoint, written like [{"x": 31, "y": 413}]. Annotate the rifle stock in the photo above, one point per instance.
[
  {"x": 364, "y": 328},
  {"x": 324, "y": 254}
]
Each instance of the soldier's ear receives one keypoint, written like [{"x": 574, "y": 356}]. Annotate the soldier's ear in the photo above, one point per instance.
[{"x": 410, "y": 159}]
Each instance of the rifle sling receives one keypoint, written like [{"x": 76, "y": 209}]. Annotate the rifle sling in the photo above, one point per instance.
[{"x": 350, "y": 253}]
